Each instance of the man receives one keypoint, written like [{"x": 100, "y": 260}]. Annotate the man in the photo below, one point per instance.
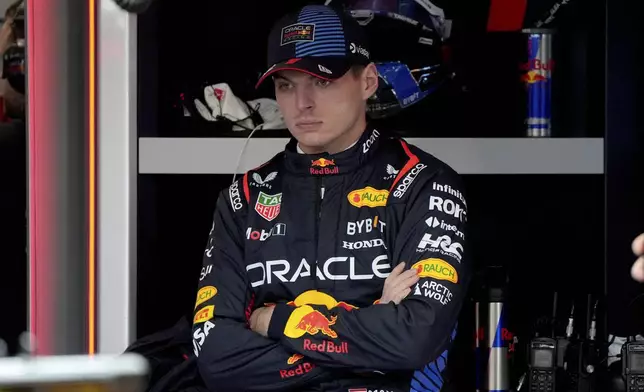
[
  {"x": 339, "y": 264},
  {"x": 638, "y": 267}
]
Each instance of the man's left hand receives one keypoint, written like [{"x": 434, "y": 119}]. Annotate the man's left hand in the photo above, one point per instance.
[{"x": 260, "y": 319}]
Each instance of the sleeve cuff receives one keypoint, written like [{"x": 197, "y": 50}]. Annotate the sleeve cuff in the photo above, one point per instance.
[{"x": 280, "y": 316}]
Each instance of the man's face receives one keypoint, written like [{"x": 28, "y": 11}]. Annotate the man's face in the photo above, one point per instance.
[{"x": 320, "y": 113}]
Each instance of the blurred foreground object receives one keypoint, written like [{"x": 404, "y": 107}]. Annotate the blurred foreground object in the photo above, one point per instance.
[
  {"x": 105, "y": 373},
  {"x": 134, "y": 6}
]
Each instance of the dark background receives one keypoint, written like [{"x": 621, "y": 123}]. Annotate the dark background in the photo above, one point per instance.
[
  {"x": 13, "y": 233},
  {"x": 206, "y": 42},
  {"x": 564, "y": 233}
]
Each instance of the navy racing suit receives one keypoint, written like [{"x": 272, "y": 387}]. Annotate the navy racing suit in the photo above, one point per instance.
[{"x": 316, "y": 236}]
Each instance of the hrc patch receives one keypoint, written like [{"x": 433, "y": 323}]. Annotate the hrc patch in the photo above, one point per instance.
[{"x": 298, "y": 32}]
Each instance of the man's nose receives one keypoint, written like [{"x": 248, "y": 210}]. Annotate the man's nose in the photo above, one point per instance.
[{"x": 304, "y": 98}]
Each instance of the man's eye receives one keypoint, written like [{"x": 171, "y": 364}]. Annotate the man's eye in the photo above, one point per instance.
[
  {"x": 322, "y": 82},
  {"x": 283, "y": 86}
]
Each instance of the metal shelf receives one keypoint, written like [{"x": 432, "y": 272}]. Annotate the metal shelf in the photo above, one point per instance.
[{"x": 465, "y": 155}]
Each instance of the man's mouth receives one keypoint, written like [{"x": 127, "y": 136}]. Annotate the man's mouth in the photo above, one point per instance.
[{"x": 308, "y": 124}]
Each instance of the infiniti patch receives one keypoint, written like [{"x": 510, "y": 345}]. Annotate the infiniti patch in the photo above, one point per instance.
[{"x": 298, "y": 32}]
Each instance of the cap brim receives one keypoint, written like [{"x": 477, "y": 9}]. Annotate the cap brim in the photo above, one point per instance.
[{"x": 327, "y": 68}]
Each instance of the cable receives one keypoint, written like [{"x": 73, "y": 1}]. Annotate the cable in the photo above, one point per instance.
[
  {"x": 241, "y": 153},
  {"x": 254, "y": 112},
  {"x": 550, "y": 15}
]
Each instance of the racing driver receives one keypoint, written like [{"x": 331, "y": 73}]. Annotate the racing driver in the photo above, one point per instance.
[{"x": 340, "y": 264}]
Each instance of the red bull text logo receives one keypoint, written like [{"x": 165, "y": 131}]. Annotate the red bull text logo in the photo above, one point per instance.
[
  {"x": 536, "y": 70},
  {"x": 326, "y": 347},
  {"x": 324, "y": 166},
  {"x": 507, "y": 337},
  {"x": 301, "y": 369},
  {"x": 538, "y": 65}
]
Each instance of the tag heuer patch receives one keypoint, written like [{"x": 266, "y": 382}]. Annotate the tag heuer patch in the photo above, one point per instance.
[
  {"x": 298, "y": 32},
  {"x": 268, "y": 206}
]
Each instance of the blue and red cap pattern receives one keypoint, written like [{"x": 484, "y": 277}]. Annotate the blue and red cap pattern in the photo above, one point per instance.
[{"x": 317, "y": 40}]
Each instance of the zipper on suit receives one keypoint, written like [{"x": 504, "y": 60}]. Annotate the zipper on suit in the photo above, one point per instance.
[{"x": 319, "y": 195}]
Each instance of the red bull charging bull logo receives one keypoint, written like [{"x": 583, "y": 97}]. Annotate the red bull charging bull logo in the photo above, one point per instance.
[
  {"x": 315, "y": 322},
  {"x": 532, "y": 77},
  {"x": 306, "y": 320}
]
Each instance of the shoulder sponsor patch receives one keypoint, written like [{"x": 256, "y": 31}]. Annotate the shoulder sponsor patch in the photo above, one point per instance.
[
  {"x": 446, "y": 188},
  {"x": 204, "y": 314},
  {"x": 235, "y": 198},
  {"x": 204, "y": 294},
  {"x": 443, "y": 244},
  {"x": 199, "y": 336},
  {"x": 448, "y": 207},
  {"x": 368, "y": 197},
  {"x": 434, "y": 290},
  {"x": 408, "y": 180},
  {"x": 205, "y": 271},
  {"x": 260, "y": 182},
  {"x": 436, "y": 268}
]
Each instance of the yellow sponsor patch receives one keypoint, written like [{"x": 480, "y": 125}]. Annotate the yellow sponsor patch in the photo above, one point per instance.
[
  {"x": 204, "y": 294},
  {"x": 368, "y": 197},
  {"x": 436, "y": 268},
  {"x": 204, "y": 314}
]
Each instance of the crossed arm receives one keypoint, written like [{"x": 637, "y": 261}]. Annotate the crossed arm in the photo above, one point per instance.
[{"x": 241, "y": 346}]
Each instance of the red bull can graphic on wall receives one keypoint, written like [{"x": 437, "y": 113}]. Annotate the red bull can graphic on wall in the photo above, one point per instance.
[{"x": 536, "y": 75}]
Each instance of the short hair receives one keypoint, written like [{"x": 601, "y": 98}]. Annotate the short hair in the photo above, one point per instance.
[{"x": 356, "y": 70}]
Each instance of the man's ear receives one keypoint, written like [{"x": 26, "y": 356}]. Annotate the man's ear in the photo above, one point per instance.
[{"x": 370, "y": 79}]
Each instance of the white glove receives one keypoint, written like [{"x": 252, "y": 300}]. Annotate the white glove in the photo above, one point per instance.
[
  {"x": 270, "y": 113},
  {"x": 204, "y": 111},
  {"x": 223, "y": 102}
]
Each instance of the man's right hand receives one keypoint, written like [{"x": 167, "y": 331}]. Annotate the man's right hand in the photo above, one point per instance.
[
  {"x": 637, "y": 271},
  {"x": 398, "y": 284}
]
